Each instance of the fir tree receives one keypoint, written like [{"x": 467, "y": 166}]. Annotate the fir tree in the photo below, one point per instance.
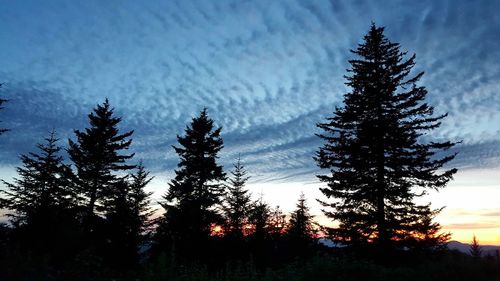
[
  {"x": 140, "y": 203},
  {"x": 259, "y": 218},
  {"x": 195, "y": 193},
  {"x": 424, "y": 234},
  {"x": 96, "y": 154},
  {"x": 42, "y": 201},
  {"x": 475, "y": 250},
  {"x": 127, "y": 216},
  {"x": 277, "y": 222},
  {"x": 259, "y": 239},
  {"x": 300, "y": 226},
  {"x": 119, "y": 249},
  {"x": 375, "y": 149},
  {"x": 237, "y": 201},
  {"x": 44, "y": 185}
]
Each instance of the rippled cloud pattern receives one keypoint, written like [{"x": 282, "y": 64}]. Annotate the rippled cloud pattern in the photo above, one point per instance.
[{"x": 267, "y": 71}]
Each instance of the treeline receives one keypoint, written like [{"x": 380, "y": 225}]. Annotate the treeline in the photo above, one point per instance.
[
  {"x": 90, "y": 218},
  {"x": 94, "y": 213}
]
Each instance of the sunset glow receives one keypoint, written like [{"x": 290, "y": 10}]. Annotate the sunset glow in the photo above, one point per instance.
[
  {"x": 217, "y": 230},
  {"x": 267, "y": 71},
  {"x": 262, "y": 140}
]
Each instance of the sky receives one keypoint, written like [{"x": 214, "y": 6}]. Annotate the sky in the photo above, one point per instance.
[{"x": 267, "y": 71}]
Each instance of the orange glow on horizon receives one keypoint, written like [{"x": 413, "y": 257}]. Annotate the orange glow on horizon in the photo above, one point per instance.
[
  {"x": 485, "y": 236},
  {"x": 216, "y": 230}
]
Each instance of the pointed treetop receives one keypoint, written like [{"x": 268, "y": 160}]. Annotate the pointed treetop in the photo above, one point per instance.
[{"x": 374, "y": 150}]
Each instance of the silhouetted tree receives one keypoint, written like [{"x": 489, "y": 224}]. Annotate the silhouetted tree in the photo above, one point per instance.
[
  {"x": 475, "y": 249},
  {"x": 44, "y": 186},
  {"x": 376, "y": 152},
  {"x": 260, "y": 237},
  {"x": 140, "y": 202},
  {"x": 425, "y": 234},
  {"x": 237, "y": 201},
  {"x": 119, "y": 249},
  {"x": 300, "y": 229},
  {"x": 96, "y": 154},
  {"x": 2, "y": 101},
  {"x": 195, "y": 193},
  {"x": 259, "y": 218},
  {"x": 127, "y": 216},
  {"x": 42, "y": 201},
  {"x": 277, "y": 222}
]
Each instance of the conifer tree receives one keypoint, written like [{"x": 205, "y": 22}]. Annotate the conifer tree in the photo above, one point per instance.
[
  {"x": 300, "y": 226},
  {"x": 195, "y": 193},
  {"x": 475, "y": 250},
  {"x": 42, "y": 200},
  {"x": 44, "y": 185},
  {"x": 119, "y": 250},
  {"x": 140, "y": 203},
  {"x": 237, "y": 201},
  {"x": 376, "y": 152},
  {"x": 127, "y": 216},
  {"x": 259, "y": 218},
  {"x": 277, "y": 222},
  {"x": 97, "y": 156},
  {"x": 424, "y": 234}
]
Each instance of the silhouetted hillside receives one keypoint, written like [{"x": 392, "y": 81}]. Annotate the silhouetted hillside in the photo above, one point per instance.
[{"x": 487, "y": 250}]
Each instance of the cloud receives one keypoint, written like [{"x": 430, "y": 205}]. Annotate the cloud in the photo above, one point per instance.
[
  {"x": 471, "y": 226},
  {"x": 267, "y": 72}
]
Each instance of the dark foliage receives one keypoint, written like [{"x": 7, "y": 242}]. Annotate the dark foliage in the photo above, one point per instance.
[
  {"x": 140, "y": 204},
  {"x": 277, "y": 222},
  {"x": 259, "y": 218},
  {"x": 96, "y": 156},
  {"x": 52, "y": 236},
  {"x": 237, "y": 203},
  {"x": 475, "y": 250},
  {"x": 114, "y": 206},
  {"x": 447, "y": 265},
  {"x": 42, "y": 207},
  {"x": 194, "y": 195},
  {"x": 95, "y": 222},
  {"x": 127, "y": 219},
  {"x": 375, "y": 150},
  {"x": 301, "y": 231},
  {"x": 236, "y": 207},
  {"x": 44, "y": 186}
]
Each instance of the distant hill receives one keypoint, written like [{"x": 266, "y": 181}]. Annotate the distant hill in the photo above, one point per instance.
[
  {"x": 452, "y": 245},
  {"x": 464, "y": 248}
]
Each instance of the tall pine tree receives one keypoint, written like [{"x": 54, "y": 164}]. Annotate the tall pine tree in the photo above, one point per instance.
[
  {"x": 237, "y": 201},
  {"x": 376, "y": 151},
  {"x": 194, "y": 195},
  {"x": 97, "y": 156}
]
